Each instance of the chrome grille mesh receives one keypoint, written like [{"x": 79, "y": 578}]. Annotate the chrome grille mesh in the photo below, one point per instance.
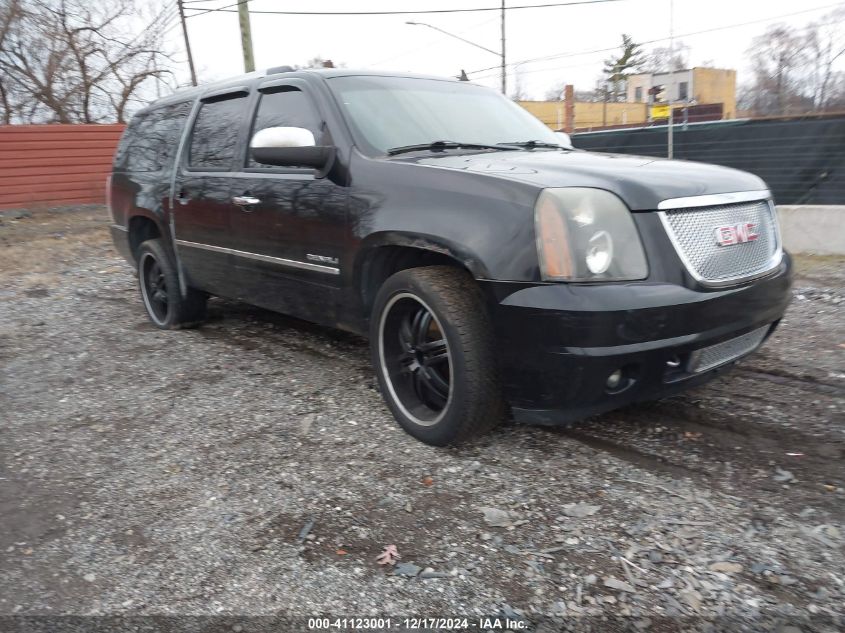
[
  {"x": 693, "y": 231},
  {"x": 726, "y": 351}
]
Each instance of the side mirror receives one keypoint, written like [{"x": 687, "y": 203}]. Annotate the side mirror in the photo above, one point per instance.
[
  {"x": 289, "y": 147},
  {"x": 565, "y": 140}
]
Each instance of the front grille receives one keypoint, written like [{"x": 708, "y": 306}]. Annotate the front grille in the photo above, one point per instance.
[
  {"x": 726, "y": 351},
  {"x": 693, "y": 232}
]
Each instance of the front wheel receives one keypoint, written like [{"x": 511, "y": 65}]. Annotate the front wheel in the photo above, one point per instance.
[
  {"x": 433, "y": 349},
  {"x": 159, "y": 283}
]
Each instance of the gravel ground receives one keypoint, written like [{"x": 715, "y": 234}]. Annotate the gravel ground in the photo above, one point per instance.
[{"x": 250, "y": 468}]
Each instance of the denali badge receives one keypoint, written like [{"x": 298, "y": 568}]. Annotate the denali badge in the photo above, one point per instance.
[{"x": 736, "y": 233}]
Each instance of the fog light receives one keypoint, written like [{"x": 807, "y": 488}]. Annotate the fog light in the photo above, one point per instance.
[{"x": 614, "y": 380}]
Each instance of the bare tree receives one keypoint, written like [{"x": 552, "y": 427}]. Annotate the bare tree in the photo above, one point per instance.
[
  {"x": 518, "y": 93},
  {"x": 74, "y": 61},
  {"x": 8, "y": 15},
  {"x": 825, "y": 45},
  {"x": 777, "y": 57},
  {"x": 320, "y": 62},
  {"x": 664, "y": 59},
  {"x": 555, "y": 93}
]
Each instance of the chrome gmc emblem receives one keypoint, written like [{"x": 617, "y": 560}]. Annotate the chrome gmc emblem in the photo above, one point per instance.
[{"x": 741, "y": 233}]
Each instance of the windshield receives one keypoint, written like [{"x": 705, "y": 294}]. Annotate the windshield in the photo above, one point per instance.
[{"x": 390, "y": 112}]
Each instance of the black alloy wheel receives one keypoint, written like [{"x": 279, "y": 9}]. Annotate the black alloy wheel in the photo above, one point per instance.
[
  {"x": 416, "y": 359},
  {"x": 153, "y": 288},
  {"x": 434, "y": 352},
  {"x": 166, "y": 306}
]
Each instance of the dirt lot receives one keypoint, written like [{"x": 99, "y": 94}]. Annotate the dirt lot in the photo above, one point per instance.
[{"x": 250, "y": 468}]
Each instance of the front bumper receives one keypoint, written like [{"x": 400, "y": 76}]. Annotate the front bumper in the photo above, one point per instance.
[{"x": 560, "y": 342}]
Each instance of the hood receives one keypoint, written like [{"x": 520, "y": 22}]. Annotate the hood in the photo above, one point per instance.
[{"x": 641, "y": 181}]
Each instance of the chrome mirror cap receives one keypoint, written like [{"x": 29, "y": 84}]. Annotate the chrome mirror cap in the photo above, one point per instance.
[{"x": 283, "y": 137}]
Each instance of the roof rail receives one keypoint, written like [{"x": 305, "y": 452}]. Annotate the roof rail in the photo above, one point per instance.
[{"x": 280, "y": 69}]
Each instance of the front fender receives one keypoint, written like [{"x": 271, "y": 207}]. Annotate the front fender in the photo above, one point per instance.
[
  {"x": 484, "y": 222},
  {"x": 424, "y": 242}
]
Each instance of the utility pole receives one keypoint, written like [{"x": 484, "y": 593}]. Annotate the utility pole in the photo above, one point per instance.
[
  {"x": 671, "y": 121},
  {"x": 246, "y": 36},
  {"x": 187, "y": 43},
  {"x": 504, "y": 65}
]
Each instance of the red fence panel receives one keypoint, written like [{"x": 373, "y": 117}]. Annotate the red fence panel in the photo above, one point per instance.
[{"x": 55, "y": 164}]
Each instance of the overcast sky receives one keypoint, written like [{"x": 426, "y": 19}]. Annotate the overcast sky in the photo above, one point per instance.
[{"x": 387, "y": 43}]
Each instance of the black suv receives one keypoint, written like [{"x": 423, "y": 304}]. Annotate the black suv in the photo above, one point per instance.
[{"x": 495, "y": 268}]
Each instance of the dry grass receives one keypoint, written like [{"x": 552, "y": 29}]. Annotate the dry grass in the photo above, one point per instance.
[{"x": 35, "y": 250}]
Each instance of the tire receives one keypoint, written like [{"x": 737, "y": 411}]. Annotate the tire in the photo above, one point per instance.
[
  {"x": 159, "y": 285},
  {"x": 440, "y": 394}
]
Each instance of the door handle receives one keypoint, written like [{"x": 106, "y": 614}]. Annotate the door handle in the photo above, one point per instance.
[
  {"x": 245, "y": 201},
  {"x": 181, "y": 198}
]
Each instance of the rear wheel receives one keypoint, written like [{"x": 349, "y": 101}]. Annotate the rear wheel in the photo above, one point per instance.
[
  {"x": 159, "y": 284},
  {"x": 433, "y": 349}
]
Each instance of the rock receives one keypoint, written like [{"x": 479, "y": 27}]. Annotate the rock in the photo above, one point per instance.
[
  {"x": 407, "y": 569},
  {"x": 590, "y": 579},
  {"x": 831, "y": 531},
  {"x": 306, "y": 529},
  {"x": 783, "y": 476},
  {"x": 655, "y": 557},
  {"x": 306, "y": 423},
  {"x": 510, "y": 613},
  {"x": 619, "y": 585},
  {"x": 692, "y": 598},
  {"x": 496, "y": 517},
  {"x": 16, "y": 214},
  {"x": 666, "y": 583},
  {"x": 428, "y": 572},
  {"x": 89, "y": 577},
  {"x": 726, "y": 567},
  {"x": 580, "y": 510}
]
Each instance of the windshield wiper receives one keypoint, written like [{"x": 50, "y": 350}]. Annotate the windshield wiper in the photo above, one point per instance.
[
  {"x": 437, "y": 146},
  {"x": 533, "y": 144}
]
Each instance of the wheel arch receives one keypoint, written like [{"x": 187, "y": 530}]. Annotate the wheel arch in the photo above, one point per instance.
[
  {"x": 142, "y": 227},
  {"x": 387, "y": 253}
]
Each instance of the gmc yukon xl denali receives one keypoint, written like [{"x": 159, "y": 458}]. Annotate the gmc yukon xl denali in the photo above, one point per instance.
[{"x": 495, "y": 269}]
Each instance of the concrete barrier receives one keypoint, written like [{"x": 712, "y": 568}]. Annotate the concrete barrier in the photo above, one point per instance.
[{"x": 816, "y": 229}]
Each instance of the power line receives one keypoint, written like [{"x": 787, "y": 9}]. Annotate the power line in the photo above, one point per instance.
[
  {"x": 203, "y": 10},
  {"x": 229, "y": 9},
  {"x": 654, "y": 41}
]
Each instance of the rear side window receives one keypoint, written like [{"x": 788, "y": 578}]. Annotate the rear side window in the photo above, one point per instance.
[
  {"x": 215, "y": 134},
  {"x": 151, "y": 140},
  {"x": 286, "y": 107}
]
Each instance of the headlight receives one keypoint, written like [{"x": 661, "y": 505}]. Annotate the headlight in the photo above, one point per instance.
[{"x": 587, "y": 235}]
